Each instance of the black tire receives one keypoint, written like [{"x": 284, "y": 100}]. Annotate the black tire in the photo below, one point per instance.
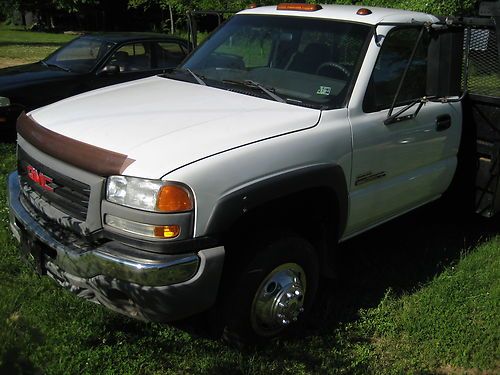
[{"x": 283, "y": 257}]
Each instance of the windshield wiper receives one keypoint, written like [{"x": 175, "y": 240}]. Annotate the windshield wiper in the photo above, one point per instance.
[
  {"x": 198, "y": 78},
  {"x": 253, "y": 84},
  {"x": 55, "y": 66}
]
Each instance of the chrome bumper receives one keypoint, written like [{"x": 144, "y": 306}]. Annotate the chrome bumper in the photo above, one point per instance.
[
  {"x": 137, "y": 274},
  {"x": 151, "y": 271}
]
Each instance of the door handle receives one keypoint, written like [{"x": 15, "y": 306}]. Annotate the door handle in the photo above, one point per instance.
[{"x": 443, "y": 122}]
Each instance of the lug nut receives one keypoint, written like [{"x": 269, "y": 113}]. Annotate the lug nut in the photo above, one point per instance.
[
  {"x": 285, "y": 322},
  {"x": 289, "y": 295},
  {"x": 297, "y": 293}
]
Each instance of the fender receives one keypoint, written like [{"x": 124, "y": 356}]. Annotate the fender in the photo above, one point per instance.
[{"x": 234, "y": 205}]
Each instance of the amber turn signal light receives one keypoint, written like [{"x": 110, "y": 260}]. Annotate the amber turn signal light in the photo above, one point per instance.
[
  {"x": 174, "y": 198},
  {"x": 167, "y": 231},
  {"x": 300, "y": 7},
  {"x": 252, "y": 6}
]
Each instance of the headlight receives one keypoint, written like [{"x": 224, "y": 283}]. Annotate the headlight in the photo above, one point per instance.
[
  {"x": 4, "y": 102},
  {"x": 149, "y": 195}
]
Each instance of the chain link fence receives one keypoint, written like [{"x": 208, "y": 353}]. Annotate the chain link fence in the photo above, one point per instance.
[{"x": 484, "y": 65}]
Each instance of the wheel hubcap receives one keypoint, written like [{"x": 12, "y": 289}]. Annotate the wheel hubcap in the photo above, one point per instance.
[{"x": 279, "y": 300}]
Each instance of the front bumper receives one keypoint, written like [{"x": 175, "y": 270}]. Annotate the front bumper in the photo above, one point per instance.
[{"x": 131, "y": 281}]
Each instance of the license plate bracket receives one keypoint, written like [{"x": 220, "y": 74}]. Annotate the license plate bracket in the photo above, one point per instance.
[{"x": 32, "y": 253}]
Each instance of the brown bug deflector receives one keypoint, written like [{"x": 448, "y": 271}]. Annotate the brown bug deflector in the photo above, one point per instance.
[{"x": 82, "y": 155}]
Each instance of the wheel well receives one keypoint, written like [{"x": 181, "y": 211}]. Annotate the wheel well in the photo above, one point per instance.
[{"x": 312, "y": 214}]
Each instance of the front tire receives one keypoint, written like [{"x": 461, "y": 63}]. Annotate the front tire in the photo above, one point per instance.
[{"x": 273, "y": 293}]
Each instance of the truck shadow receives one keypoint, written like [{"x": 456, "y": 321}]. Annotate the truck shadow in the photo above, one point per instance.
[{"x": 402, "y": 256}]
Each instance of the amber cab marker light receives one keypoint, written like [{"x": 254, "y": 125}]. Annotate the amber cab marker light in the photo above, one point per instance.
[
  {"x": 364, "y": 12},
  {"x": 173, "y": 198},
  {"x": 299, "y": 6},
  {"x": 252, "y": 6}
]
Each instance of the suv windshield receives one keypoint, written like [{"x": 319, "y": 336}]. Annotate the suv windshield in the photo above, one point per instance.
[
  {"x": 80, "y": 56},
  {"x": 302, "y": 60}
]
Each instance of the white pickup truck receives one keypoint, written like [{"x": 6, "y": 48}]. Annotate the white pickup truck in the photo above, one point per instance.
[{"x": 229, "y": 181}]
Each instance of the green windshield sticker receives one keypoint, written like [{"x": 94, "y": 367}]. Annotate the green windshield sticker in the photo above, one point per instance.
[{"x": 324, "y": 90}]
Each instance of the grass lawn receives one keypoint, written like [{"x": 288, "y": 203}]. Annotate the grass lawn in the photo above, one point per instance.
[
  {"x": 21, "y": 47},
  {"x": 419, "y": 295}
]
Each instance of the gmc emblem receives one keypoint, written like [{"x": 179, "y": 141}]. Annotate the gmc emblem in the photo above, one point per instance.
[{"x": 39, "y": 178}]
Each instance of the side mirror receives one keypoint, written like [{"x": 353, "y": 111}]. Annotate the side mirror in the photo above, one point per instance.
[
  {"x": 109, "y": 70},
  {"x": 444, "y": 69}
]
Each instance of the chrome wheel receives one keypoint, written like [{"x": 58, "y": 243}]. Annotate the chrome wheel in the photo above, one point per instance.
[{"x": 279, "y": 299}]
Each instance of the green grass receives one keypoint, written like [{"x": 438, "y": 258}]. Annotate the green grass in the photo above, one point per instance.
[
  {"x": 420, "y": 303},
  {"x": 453, "y": 321},
  {"x": 29, "y": 46}
]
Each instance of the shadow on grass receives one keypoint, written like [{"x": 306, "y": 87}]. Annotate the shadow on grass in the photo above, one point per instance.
[
  {"x": 14, "y": 362},
  {"x": 401, "y": 255},
  {"x": 15, "y": 359}
]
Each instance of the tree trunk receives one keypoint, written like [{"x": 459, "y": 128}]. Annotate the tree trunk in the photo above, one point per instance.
[{"x": 172, "y": 30}]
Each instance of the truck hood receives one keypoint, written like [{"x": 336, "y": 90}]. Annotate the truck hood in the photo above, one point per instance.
[{"x": 165, "y": 124}]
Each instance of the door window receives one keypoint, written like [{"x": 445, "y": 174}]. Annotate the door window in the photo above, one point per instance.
[
  {"x": 168, "y": 54},
  {"x": 389, "y": 69},
  {"x": 132, "y": 57}
]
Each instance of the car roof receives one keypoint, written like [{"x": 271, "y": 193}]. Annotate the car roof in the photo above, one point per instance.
[
  {"x": 118, "y": 37},
  {"x": 349, "y": 13}
]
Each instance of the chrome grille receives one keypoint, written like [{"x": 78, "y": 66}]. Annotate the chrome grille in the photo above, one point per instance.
[{"x": 65, "y": 193}]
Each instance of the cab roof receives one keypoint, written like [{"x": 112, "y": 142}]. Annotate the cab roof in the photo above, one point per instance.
[{"x": 348, "y": 13}]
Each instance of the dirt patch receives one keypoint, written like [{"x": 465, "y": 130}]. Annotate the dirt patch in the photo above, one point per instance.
[{"x": 6, "y": 62}]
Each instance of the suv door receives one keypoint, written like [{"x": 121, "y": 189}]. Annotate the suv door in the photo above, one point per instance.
[{"x": 402, "y": 165}]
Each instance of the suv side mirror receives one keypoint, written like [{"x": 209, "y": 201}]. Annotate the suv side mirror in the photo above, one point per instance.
[{"x": 109, "y": 70}]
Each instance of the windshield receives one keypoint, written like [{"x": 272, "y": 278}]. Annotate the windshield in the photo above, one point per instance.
[
  {"x": 80, "y": 56},
  {"x": 302, "y": 60}
]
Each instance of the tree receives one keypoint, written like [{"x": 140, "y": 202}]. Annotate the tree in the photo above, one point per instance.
[{"x": 73, "y": 6}]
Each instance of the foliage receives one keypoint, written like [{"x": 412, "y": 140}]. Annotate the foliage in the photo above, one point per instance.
[
  {"x": 45, "y": 8},
  {"x": 440, "y": 7}
]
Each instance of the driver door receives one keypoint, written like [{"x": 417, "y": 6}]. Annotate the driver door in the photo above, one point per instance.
[{"x": 405, "y": 164}]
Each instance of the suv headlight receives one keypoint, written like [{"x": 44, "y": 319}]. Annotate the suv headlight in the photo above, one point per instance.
[
  {"x": 4, "y": 102},
  {"x": 149, "y": 195}
]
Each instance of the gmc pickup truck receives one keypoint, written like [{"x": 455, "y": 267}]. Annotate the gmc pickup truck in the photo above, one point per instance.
[{"x": 230, "y": 180}]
